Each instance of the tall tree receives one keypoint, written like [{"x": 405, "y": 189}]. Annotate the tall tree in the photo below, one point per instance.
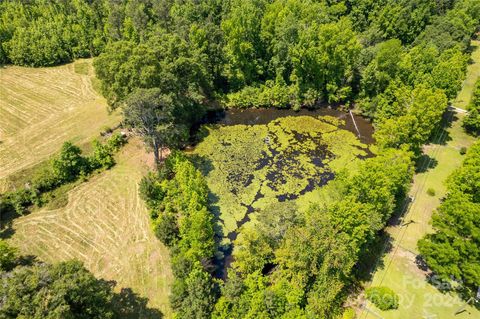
[{"x": 152, "y": 114}]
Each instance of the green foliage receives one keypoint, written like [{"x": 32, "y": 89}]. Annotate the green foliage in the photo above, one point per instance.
[
  {"x": 313, "y": 254},
  {"x": 44, "y": 33},
  {"x": 269, "y": 95},
  {"x": 452, "y": 251},
  {"x": 323, "y": 61},
  {"x": 244, "y": 49},
  {"x": 178, "y": 200},
  {"x": 64, "y": 290},
  {"x": 116, "y": 141},
  {"x": 164, "y": 62},
  {"x": 18, "y": 200},
  {"x": 349, "y": 314},
  {"x": 65, "y": 167},
  {"x": 68, "y": 164},
  {"x": 195, "y": 296},
  {"x": 151, "y": 191},
  {"x": 8, "y": 256},
  {"x": 161, "y": 119},
  {"x": 102, "y": 155},
  {"x": 419, "y": 114},
  {"x": 449, "y": 73},
  {"x": 383, "y": 298},
  {"x": 471, "y": 123},
  {"x": 431, "y": 192}
]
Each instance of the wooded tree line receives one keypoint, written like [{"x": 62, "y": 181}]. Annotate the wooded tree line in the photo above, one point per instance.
[
  {"x": 285, "y": 53},
  {"x": 453, "y": 250},
  {"x": 399, "y": 61},
  {"x": 177, "y": 197}
]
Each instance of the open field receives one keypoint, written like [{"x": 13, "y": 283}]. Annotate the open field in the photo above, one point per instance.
[
  {"x": 43, "y": 107},
  {"x": 398, "y": 270},
  {"x": 105, "y": 225}
]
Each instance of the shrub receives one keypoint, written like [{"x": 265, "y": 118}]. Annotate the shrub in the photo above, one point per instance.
[
  {"x": 151, "y": 191},
  {"x": 166, "y": 229},
  {"x": 115, "y": 142},
  {"x": 383, "y": 298},
  {"x": 471, "y": 123},
  {"x": 68, "y": 165},
  {"x": 19, "y": 200},
  {"x": 45, "y": 180},
  {"x": 349, "y": 314},
  {"x": 101, "y": 157},
  {"x": 431, "y": 192},
  {"x": 463, "y": 150},
  {"x": 269, "y": 95},
  {"x": 8, "y": 256}
]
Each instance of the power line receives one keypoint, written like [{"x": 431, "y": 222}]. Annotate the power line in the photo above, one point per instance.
[{"x": 441, "y": 130}]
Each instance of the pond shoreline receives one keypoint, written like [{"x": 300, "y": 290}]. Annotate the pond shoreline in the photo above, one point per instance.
[{"x": 254, "y": 116}]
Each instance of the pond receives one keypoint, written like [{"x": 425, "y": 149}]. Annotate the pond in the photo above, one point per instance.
[
  {"x": 257, "y": 157},
  {"x": 265, "y": 116}
]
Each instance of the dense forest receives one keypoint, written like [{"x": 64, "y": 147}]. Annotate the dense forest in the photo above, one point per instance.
[{"x": 166, "y": 62}]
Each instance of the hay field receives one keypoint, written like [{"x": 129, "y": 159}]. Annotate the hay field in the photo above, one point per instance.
[
  {"x": 40, "y": 108},
  {"x": 106, "y": 225}
]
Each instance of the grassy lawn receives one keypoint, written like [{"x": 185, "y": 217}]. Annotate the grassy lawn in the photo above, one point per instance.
[
  {"x": 398, "y": 270},
  {"x": 43, "y": 107},
  {"x": 473, "y": 73},
  {"x": 105, "y": 225},
  {"x": 250, "y": 167}
]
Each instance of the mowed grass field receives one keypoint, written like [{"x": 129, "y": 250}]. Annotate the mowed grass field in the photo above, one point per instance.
[
  {"x": 398, "y": 269},
  {"x": 106, "y": 225},
  {"x": 41, "y": 108}
]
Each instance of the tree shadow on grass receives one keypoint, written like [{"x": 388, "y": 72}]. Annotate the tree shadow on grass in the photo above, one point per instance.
[
  {"x": 6, "y": 222},
  {"x": 441, "y": 136},
  {"x": 425, "y": 163},
  {"x": 129, "y": 305},
  {"x": 372, "y": 257},
  {"x": 397, "y": 218}
]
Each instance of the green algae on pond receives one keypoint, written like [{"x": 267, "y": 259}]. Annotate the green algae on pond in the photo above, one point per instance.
[{"x": 249, "y": 167}]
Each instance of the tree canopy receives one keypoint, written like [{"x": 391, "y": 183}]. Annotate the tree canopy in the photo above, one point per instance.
[
  {"x": 64, "y": 290},
  {"x": 453, "y": 250}
]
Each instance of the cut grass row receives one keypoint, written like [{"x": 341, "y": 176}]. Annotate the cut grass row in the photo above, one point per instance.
[
  {"x": 42, "y": 108},
  {"x": 105, "y": 225}
]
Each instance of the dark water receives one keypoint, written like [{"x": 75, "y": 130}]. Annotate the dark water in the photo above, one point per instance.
[{"x": 265, "y": 116}]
